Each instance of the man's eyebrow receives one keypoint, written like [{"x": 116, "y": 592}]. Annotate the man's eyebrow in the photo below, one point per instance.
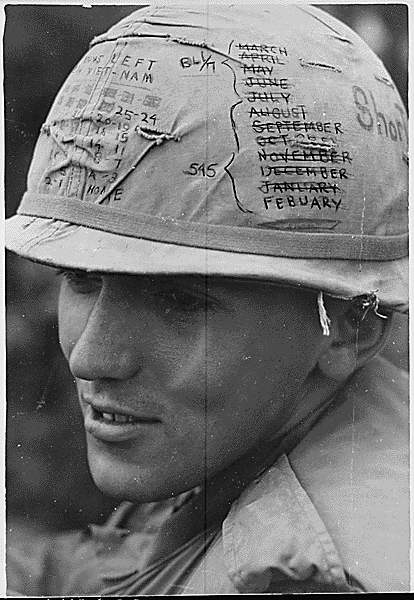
[
  {"x": 78, "y": 270},
  {"x": 61, "y": 271}
]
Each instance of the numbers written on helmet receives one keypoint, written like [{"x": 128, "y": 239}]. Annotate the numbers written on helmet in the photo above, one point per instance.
[{"x": 202, "y": 170}]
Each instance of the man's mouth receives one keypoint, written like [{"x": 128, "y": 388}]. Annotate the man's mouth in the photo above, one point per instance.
[
  {"x": 111, "y": 417},
  {"x": 107, "y": 425}
]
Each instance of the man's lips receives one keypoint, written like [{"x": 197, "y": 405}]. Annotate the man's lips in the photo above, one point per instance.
[
  {"x": 112, "y": 423},
  {"x": 103, "y": 407}
]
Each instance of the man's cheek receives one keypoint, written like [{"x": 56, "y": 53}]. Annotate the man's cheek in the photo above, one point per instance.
[
  {"x": 207, "y": 374},
  {"x": 66, "y": 337},
  {"x": 69, "y": 327}
]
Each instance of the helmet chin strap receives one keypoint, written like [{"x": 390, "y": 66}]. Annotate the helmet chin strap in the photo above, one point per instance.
[
  {"x": 323, "y": 315},
  {"x": 363, "y": 303}
]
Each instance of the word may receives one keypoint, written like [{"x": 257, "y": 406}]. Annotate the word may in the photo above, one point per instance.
[
  {"x": 368, "y": 116},
  {"x": 259, "y": 70},
  {"x": 295, "y": 202}
]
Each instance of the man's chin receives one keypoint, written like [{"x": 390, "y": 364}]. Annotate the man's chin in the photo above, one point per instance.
[{"x": 132, "y": 482}]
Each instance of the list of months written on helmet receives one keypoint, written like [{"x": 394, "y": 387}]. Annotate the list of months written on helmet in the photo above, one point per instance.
[{"x": 299, "y": 163}]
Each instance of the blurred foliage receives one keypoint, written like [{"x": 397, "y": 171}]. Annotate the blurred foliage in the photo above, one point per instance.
[{"x": 48, "y": 482}]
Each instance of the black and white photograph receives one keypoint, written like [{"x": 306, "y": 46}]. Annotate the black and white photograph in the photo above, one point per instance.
[{"x": 206, "y": 297}]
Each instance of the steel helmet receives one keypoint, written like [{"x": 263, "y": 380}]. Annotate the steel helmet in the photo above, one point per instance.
[{"x": 245, "y": 141}]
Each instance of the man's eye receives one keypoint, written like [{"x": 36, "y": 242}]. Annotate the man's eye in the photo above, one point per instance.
[{"x": 80, "y": 281}]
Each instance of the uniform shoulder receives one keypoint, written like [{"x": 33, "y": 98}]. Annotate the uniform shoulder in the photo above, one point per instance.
[{"x": 354, "y": 467}]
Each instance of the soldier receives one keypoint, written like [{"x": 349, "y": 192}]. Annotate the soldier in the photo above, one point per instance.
[{"x": 225, "y": 191}]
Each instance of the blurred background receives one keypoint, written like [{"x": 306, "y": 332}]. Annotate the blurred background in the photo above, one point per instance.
[{"x": 48, "y": 483}]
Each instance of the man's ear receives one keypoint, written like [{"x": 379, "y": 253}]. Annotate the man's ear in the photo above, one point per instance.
[{"x": 356, "y": 339}]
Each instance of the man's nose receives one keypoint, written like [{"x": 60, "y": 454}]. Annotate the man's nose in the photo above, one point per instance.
[{"x": 108, "y": 347}]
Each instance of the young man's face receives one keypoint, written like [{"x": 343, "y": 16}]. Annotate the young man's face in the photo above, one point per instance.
[{"x": 178, "y": 379}]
